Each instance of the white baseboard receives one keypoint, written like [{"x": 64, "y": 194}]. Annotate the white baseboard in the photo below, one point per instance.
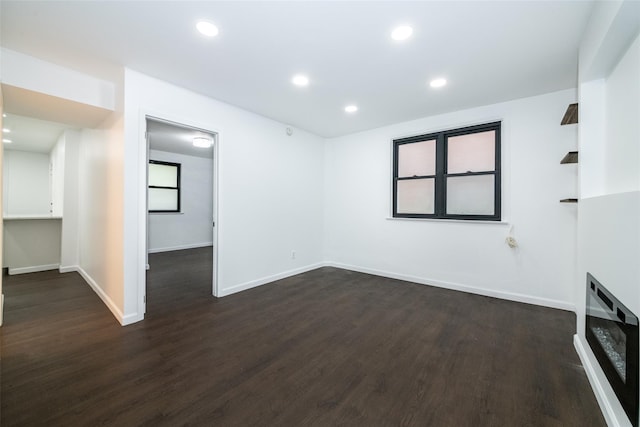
[
  {"x": 68, "y": 268},
  {"x": 135, "y": 317},
  {"x": 32, "y": 269},
  {"x": 545, "y": 302},
  {"x": 123, "y": 320},
  {"x": 268, "y": 279},
  {"x": 180, "y": 247},
  {"x": 611, "y": 408},
  {"x": 131, "y": 318},
  {"x": 103, "y": 296}
]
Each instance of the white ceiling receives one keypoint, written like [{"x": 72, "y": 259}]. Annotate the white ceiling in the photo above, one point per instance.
[
  {"x": 29, "y": 134},
  {"x": 490, "y": 51},
  {"x": 36, "y": 135},
  {"x": 35, "y": 120},
  {"x": 50, "y": 108}
]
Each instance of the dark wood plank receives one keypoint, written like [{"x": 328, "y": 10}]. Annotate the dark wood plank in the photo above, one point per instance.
[
  {"x": 328, "y": 347},
  {"x": 571, "y": 115},
  {"x": 570, "y": 157}
]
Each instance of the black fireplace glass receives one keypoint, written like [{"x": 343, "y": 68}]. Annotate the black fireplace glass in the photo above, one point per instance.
[{"x": 612, "y": 334}]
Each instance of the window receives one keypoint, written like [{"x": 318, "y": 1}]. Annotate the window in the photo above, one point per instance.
[
  {"x": 164, "y": 186},
  {"x": 453, "y": 174}
]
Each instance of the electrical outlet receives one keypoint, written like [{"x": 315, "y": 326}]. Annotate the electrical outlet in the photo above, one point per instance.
[{"x": 293, "y": 254}]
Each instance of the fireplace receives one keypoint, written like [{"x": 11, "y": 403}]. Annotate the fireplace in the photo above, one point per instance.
[{"x": 612, "y": 334}]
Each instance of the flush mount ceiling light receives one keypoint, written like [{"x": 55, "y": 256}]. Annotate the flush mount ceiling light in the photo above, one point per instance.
[
  {"x": 5, "y": 130},
  {"x": 438, "y": 82},
  {"x": 300, "y": 80},
  {"x": 351, "y": 108},
  {"x": 207, "y": 28},
  {"x": 202, "y": 142},
  {"x": 401, "y": 33},
  {"x": 8, "y": 141}
]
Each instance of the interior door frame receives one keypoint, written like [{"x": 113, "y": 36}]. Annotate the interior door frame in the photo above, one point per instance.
[{"x": 143, "y": 219}]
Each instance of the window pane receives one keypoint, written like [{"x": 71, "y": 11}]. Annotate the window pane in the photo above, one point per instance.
[
  {"x": 470, "y": 195},
  {"x": 475, "y": 152},
  {"x": 162, "y": 199},
  {"x": 163, "y": 175},
  {"x": 417, "y": 159},
  {"x": 415, "y": 196}
]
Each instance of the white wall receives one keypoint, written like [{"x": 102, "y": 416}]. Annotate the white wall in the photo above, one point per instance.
[
  {"x": 622, "y": 118},
  {"x": 101, "y": 212},
  {"x": 609, "y": 32},
  {"x": 609, "y": 212},
  {"x": 34, "y": 74},
  {"x": 464, "y": 254},
  {"x": 69, "y": 256},
  {"x": 26, "y": 183},
  {"x": 591, "y": 136},
  {"x": 31, "y": 245},
  {"x": 270, "y": 188},
  {"x": 34, "y": 186},
  {"x": 193, "y": 226},
  {"x": 56, "y": 159}
]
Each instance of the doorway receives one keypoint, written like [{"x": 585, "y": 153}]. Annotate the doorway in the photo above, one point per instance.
[{"x": 181, "y": 210}]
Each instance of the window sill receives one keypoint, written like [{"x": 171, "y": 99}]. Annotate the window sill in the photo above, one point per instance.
[{"x": 455, "y": 221}]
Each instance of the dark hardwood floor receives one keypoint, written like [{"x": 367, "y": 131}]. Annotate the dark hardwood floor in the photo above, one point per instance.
[{"x": 325, "y": 348}]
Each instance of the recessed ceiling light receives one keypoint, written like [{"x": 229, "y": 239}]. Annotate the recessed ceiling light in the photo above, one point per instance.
[
  {"x": 4, "y": 114},
  {"x": 207, "y": 28},
  {"x": 402, "y": 33},
  {"x": 438, "y": 82},
  {"x": 6, "y": 140},
  {"x": 202, "y": 142},
  {"x": 351, "y": 108},
  {"x": 300, "y": 80},
  {"x": 5, "y": 130}
]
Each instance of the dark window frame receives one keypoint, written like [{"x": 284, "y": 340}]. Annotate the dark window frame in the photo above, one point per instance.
[
  {"x": 441, "y": 175},
  {"x": 178, "y": 167}
]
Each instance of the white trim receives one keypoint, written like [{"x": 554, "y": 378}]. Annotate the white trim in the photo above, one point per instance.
[
  {"x": 103, "y": 296},
  {"x": 32, "y": 269},
  {"x": 601, "y": 388},
  {"x": 131, "y": 318},
  {"x": 511, "y": 296},
  {"x": 217, "y": 165},
  {"x": 181, "y": 247},
  {"x": 143, "y": 114},
  {"x": 68, "y": 268},
  {"x": 451, "y": 221},
  {"x": 29, "y": 217},
  {"x": 268, "y": 279}
]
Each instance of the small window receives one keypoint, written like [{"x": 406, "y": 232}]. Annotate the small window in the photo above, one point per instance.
[
  {"x": 164, "y": 186},
  {"x": 453, "y": 174}
]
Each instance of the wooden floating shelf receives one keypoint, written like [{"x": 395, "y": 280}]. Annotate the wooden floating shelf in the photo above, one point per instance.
[
  {"x": 571, "y": 115},
  {"x": 569, "y": 201},
  {"x": 571, "y": 157}
]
